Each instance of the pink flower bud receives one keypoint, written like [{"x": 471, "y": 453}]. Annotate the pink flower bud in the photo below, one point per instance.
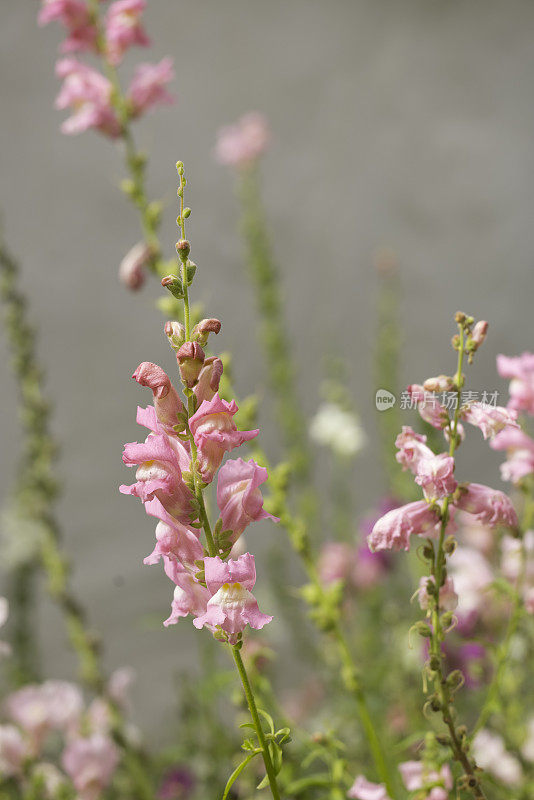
[
  {"x": 208, "y": 379},
  {"x": 132, "y": 271},
  {"x": 166, "y": 399},
  {"x": 201, "y": 331},
  {"x": 190, "y": 359},
  {"x": 479, "y": 333},
  {"x": 175, "y": 333},
  {"x": 428, "y": 406},
  {"x": 442, "y": 383}
]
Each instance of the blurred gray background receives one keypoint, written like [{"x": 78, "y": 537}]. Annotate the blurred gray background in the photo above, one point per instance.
[{"x": 402, "y": 124}]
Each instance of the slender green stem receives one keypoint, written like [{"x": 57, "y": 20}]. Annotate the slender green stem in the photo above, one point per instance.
[
  {"x": 256, "y": 721},
  {"x": 440, "y": 684}
]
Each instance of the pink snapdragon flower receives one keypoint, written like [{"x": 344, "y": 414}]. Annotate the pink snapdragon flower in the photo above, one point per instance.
[
  {"x": 244, "y": 142},
  {"x": 472, "y": 575},
  {"x": 160, "y": 459},
  {"x": 215, "y": 433},
  {"x": 393, "y": 530},
  {"x": 448, "y": 599},
  {"x": 412, "y": 448},
  {"x": 176, "y": 543},
  {"x": 490, "y": 506},
  {"x": 491, "y": 754},
  {"x": 90, "y": 763},
  {"x": 167, "y": 401},
  {"x": 190, "y": 597},
  {"x": 490, "y": 419},
  {"x": 88, "y": 93},
  {"x": 132, "y": 270},
  {"x": 41, "y": 708},
  {"x": 232, "y": 605},
  {"x": 124, "y": 28},
  {"x": 335, "y": 562},
  {"x": 75, "y": 17},
  {"x": 519, "y": 449},
  {"x": 148, "y": 87},
  {"x": 435, "y": 475},
  {"x": 416, "y": 776},
  {"x": 14, "y": 751},
  {"x": 428, "y": 406},
  {"x": 362, "y": 789},
  {"x": 239, "y": 497},
  {"x": 520, "y": 369}
]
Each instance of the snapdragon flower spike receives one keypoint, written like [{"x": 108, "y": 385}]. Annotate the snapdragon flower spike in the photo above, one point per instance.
[
  {"x": 428, "y": 406},
  {"x": 394, "y": 529},
  {"x": 160, "y": 459},
  {"x": 124, "y": 28},
  {"x": 88, "y": 93},
  {"x": 75, "y": 17},
  {"x": 520, "y": 369},
  {"x": 490, "y": 506},
  {"x": 167, "y": 401},
  {"x": 490, "y": 419},
  {"x": 148, "y": 90},
  {"x": 239, "y": 497},
  {"x": 435, "y": 475},
  {"x": 232, "y": 606},
  {"x": 412, "y": 448},
  {"x": 176, "y": 543},
  {"x": 416, "y": 775},
  {"x": 215, "y": 433},
  {"x": 362, "y": 789},
  {"x": 243, "y": 143},
  {"x": 90, "y": 763},
  {"x": 519, "y": 449}
]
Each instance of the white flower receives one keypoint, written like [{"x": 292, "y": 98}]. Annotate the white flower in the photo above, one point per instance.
[
  {"x": 490, "y": 754},
  {"x": 338, "y": 429}
]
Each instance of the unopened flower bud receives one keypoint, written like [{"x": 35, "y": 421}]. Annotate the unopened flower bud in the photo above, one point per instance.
[
  {"x": 441, "y": 383},
  {"x": 460, "y": 317},
  {"x": 190, "y": 360},
  {"x": 175, "y": 333},
  {"x": 174, "y": 285},
  {"x": 132, "y": 270},
  {"x": 479, "y": 333},
  {"x": 201, "y": 331},
  {"x": 183, "y": 248}
]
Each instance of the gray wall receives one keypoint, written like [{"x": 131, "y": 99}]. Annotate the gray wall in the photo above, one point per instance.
[{"x": 395, "y": 123}]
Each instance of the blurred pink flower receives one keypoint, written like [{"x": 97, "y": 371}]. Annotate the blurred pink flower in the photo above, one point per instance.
[
  {"x": 490, "y": 419},
  {"x": 448, "y": 599},
  {"x": 124, "y": 28},
  {"x": 132, "y": 270},
  {"x": 239, "y": 497},
  {"x": 49, "y": 706},
  {"x": 75, "y": 17},
  {"x": 363, "y": 789},
  {"x": 416, "y": 776},
  {"x": 147, "y": 88},
  {"x": 520, "y": 369},
  {"x": 428, "y": 406},
  {"x": 14, "y": 750},
  {"x": 519, "y": 449},
  {"x": 412, "y": 448},
  {"x": 88, "y": 93},
  {"x": 244, "y": 142},
  {"x": 90, "y": 763},
  {"x": 435, "y": 475}
]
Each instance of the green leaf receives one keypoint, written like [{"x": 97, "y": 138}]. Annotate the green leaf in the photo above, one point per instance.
[
  {"x": 237, "y": 772},
  {"x": 268, "y": 718},
  {"x": 309, "y": 782}
]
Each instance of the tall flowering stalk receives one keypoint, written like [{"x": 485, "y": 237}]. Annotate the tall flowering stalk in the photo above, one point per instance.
[
  {"x": 241, "y": 146},
  {"x": 98, "y": 102},
  {"x": 175, "y": 465},
  {"x": 433, "y": 517}
]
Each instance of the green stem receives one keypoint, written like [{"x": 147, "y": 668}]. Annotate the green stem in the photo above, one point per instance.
[
  {"x": 440, "y": 684},
  {"x": 256, "y": 721}
]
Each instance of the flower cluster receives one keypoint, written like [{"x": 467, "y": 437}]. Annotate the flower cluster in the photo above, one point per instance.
[
  {"x": 429, "y": 783},
  {"x": 182, "y": 452},
  {"x": 518, "y": 445},
  {"x": 40, "y": 714},
  {"x": 92, "y": 96}
]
